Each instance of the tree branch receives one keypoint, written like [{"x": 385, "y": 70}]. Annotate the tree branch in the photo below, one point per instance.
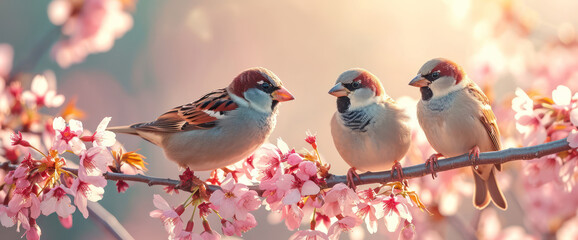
[
  {"x": 446, "y": 164},
  {"x": 420, "y": 170}
]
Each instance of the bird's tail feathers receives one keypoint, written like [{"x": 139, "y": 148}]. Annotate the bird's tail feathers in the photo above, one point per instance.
[
  {"x": 495, "y": 192},
  {"x": 481, "y": 198}
]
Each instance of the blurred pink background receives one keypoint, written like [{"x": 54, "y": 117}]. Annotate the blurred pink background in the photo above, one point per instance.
[{"x": 179, "y": 50}]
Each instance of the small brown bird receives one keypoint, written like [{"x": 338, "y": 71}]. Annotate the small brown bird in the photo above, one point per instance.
[
  {"x": 457, "y": 118},
  {"x": 370, "y": 131},
  {"x": 221, "y": 127}
]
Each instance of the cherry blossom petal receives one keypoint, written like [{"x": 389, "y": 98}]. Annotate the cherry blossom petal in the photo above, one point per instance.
[
  {"x": 39, "y": 85},
  {"x": 59, "y": 124},
  {"x": 160, "y": 203},
  {"x": 344, "y": 224},
  {"x": 59, "y": 11},
  {"x": 573, "y": 138},
  {"x": 562, "y": 95},
  {"x": 310, "y": 188},
  {"x": 574, "y": 117},
  {"x": 283, "y": 147},
  {"x": 392, "y": 220},
  {"x": 294, "y": 159},
  {"x": 5, "y": 219},
  {"x": 309, "y": 235},
  {"x": 292, "y": 196}
]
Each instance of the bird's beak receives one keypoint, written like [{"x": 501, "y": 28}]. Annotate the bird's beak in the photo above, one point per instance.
[
  {"x": 419, "y": 81},
  {"x": 282, "y": 95},
  {"x": 339, "y": 90}
]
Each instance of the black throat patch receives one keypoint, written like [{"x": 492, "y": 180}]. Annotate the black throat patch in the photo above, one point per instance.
[
  {"x": 426, "y": 93},
  {"x": 343, "y": 104}
]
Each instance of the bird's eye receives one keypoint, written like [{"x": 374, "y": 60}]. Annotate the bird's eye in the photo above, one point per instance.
[
  {"x": 435, "y": 75},
  {"x": 266, "y": 86},
  {"x": 356, "y": 85}
]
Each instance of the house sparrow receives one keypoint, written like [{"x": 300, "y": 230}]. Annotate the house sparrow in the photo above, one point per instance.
[
  {"x": 221, "y": 127},
  {"x": 369, "y": 130},
  {"x": 457, "y": 118}
]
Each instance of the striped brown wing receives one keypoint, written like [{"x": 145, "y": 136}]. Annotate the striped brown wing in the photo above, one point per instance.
[{"x": 201, "y": 114}]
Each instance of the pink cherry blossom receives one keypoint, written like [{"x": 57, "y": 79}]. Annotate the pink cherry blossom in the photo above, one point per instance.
[
  {"x": 25, "y": 199},
  {"x": 90, "y": 27},
  {"x": 293, "y": 215},
  {"x": 41, "y": 95},
  {"x": 268, "y": 159},
  {"x": 170, "y": 217},
  {"x": 7, "y": 219},
  {"x": 407, "y": 232},
  {"x": 528, "y": 122},
  {"x": 187, "y": 233},
  {"x": 67, "y": 136},
  {"x": 340, "y": 200},
  {"x": 299, "y": 184},
  {"x": 66, "y": 222},
  {"x": 207, "y": 234},
  {"x": 101, "y": 137},
  {"x": 311, "y": 139},
  {"x": 522, "y": 103},
  {"x": 395, "y": 211},
  {"x": 309, "y": 235},
  {"x": 247, "y": 202},
  {"x": 370, "y": 208},
  {"x": 227, "y": 227},
  {"x": 16, "y": 139},
  {"x": 121, "y": 186},
  {"x": 294, "y": 159},
  {"x": 567, "y": 172},
  {"x": 57, "y": 201},
  {"x": 90, "y": 188},
  {"x": 543, "y": 170},
  {"x": 242, "y": 226},
  {"x": 33, "y": 231},
  {"x": 94, "y": 161},
  {"x": 342, "y": 225},
  {"x": 234, "y": 200}
]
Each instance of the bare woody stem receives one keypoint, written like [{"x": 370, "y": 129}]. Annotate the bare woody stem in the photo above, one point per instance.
[{"x": 420, "y": 170}]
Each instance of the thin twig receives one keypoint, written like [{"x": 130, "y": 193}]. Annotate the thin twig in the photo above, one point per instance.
[
  {"x": 420, "y": 170},
  {"x": 108, "y": 221}
]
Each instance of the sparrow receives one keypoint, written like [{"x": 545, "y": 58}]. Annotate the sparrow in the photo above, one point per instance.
[
  {"x": 220, "y": 128},
  {"x": 369, "y": 130},
  {"x": 457, "y": 118}
]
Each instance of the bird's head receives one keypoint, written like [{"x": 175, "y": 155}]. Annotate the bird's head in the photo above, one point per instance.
[
  {"x": 356, "y": 88},
  {"x": 259, "y": 88},
  {"x": 439, "y": 77}
]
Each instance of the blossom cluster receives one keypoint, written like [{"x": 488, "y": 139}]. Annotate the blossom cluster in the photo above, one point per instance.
[
  {"x": 544, "y": 119},
  {"x": 88, "y": 26},
  {"x": 292, "y": 184},
  {"x": 56, "y": 158},
  {"x": 42, "y": 183}
]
